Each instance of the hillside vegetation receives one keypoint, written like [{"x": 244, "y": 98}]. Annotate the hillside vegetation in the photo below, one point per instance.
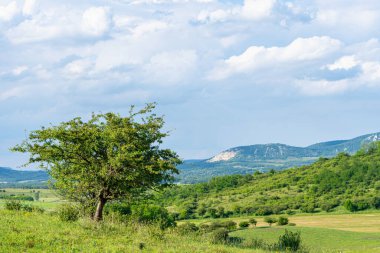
[
  {"x": 349, "y": 181},
  {"x": 264, "y": 157}
]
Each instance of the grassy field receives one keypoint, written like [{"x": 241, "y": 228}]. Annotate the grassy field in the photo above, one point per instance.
[
  {"x": 48, "y": 198},
  {"x": 32, "y": 232},
  {"x": 321, "y": 232}
]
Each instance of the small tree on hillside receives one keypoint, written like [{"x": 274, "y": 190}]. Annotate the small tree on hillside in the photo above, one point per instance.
[
  {"x": 253, "y": 221},
  {"x": 270, "y": 220},
  {"x": 108, "y": 157}
]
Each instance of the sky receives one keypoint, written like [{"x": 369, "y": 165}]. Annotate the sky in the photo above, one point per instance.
[{"x": 224, "y": 73}]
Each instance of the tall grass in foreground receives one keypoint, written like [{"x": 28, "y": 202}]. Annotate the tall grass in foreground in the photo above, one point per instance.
[{"x": 22, "y": 231}]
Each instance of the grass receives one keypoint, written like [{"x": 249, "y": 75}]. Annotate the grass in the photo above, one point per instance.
[
  {"x": 31, "y": 232},
  {"x": 49, "y": 199},
  {"x": 319, "y": 239},
  {"x": 359, "y": 232}
]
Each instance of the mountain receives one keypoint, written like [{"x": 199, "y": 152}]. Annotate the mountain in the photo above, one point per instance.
[
  {"x": 264, "y": 157},
  {"x": 10, "y": 177},
  {"x": 345, "y": 181}
]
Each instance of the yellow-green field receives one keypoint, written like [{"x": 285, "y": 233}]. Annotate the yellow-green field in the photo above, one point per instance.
[
  {"x": 358, "y": 232},
  {"x": 49, "y": 199}
]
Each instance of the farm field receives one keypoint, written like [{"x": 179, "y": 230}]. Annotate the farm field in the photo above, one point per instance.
[
  {"x": 358, "y": 232},
  {"x": 48, "y": 199}
]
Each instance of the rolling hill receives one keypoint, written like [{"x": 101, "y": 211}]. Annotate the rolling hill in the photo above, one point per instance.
[
  {"x": 11, "y": 177},
  {"x": 264, "y": 157}
]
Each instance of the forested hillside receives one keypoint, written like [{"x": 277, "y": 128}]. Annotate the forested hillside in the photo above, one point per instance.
[
  {"x": 264, "y": 157},
  {"x": 352, "y": 181}
]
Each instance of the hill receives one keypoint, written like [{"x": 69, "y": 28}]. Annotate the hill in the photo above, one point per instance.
[
  {"x": 352, "y": 181},
  {"x": 10, "y": 177},
  {"x": 264, "y": 157}
]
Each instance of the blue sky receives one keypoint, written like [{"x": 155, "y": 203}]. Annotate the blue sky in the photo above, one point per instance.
[{"x": 224, "y": 73}]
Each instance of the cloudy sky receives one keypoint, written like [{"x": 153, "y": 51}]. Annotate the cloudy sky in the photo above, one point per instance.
[{"x": 224, "y": 72}]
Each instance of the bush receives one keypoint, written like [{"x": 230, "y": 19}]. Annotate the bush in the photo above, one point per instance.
[
  {"x": 270, "y": 220},
  {"x": 230, "y": 225},
  {"x": 253, "y": 221},
  {"x": 187, "y": 228},
  {"x": 282, "y": 221},
  {"x": 291, "y": 224},
  {"x": 68, "y": 213},
  {"x": 289, "y": 241},
  {"x": 13, "y": 205},
  {"x": 244, "y": 224},
  {"x": 220, "y": 235},
  {"x": 153, "y": 214}
]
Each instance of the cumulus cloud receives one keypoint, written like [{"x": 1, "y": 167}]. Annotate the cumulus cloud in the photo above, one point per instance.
[
  {"x": 96, "y": 21},
  {"x": 257, "y": 9},
  {"x": 170, "y": 68},
  {"x": 255, "y": 57},
  {"x": 29, "y": 7},
  {"x": 8, "y": 11}
]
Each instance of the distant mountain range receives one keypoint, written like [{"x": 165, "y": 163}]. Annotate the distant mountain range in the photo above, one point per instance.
[
  {"x": 238, "y": 160},
  {"x": 9, "y": 177},
  {"x": 264, "y": 157}
]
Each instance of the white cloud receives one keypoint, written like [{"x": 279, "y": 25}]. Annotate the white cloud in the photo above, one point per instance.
[
  {"x": 19, "y": 70},
  {"x": 77, "y": 68},
  {"x": 96, "y": 21},
  {"x": 322, "y": 87},
  {"x": 345, "y": 63},
  {"x": 8, "y": 11},
  {"x": 29, "y": 7},
  {"x": 257, "y": 9},
  {"x": 170, "y": 67},
  {"x": 147, "y": 27},
  {"x": 301, "y": 49}
]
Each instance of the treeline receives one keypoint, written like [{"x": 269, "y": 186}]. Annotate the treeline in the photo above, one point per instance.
[{"x": 349, "y": 181}]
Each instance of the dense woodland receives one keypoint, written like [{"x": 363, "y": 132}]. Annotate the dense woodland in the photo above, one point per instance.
[{"x": 349, "y": 181}]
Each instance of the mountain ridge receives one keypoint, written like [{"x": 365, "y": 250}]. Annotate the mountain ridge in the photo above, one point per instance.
[{"x": 264, "y": 157}]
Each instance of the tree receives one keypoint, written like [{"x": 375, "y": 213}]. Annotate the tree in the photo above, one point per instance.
[
  {"x": 106, "y": 158},
  {"x": 253, "y": 221},
  {"x": 270, "y": 220}
]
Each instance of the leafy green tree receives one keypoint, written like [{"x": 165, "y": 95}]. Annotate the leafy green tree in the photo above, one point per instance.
[
  {"x": 244, "y": 224},
  {"x": 253, "y": 221},
  {"x": 282, "y": 221},
  {"x": 108, "y": 157},
  {"x": 270, "y": 220}
]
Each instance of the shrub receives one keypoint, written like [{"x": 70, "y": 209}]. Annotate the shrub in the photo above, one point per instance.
[
  {"x": 244, "y": 224},
  {"x": 187, "y": 228},
  {"x": 270, "y": 220},
  {"x": 264, "y": 211},
  {"x": 282, "y": 221},
  {"x": 253, "y": 221},
  {"x": 291, "y": 224},
  {"x": 68, "y": 213},
  {"x": 290, "y": 241},
  {"x": 13, "y": 205},
  {"x": 230, "y": 225},
  {"x": 153, "y": 214},
  {"x": 220, "y": 235}
]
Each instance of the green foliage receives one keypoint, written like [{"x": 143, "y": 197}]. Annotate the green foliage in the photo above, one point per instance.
[
  {"x": 244, "y": 224},
  {"x": 13, "y": 205},
  {"x": 324, "y": 185},
  {"x": 290, "y": 241},
  {"x": 108, "y": 157},
  {"x": 253, "y": 221},
  {"x": 68, "y": 213},
  {"x": 270, "y": 220},
  {"x": 187, "y": 228},
  {"x": 220, "y": 236},
  {"x": 282, "y": 221},
  {"x": 149, "y": 214}
]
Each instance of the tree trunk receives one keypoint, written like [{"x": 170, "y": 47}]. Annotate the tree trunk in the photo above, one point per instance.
[{"x": 98, "y": 216}]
